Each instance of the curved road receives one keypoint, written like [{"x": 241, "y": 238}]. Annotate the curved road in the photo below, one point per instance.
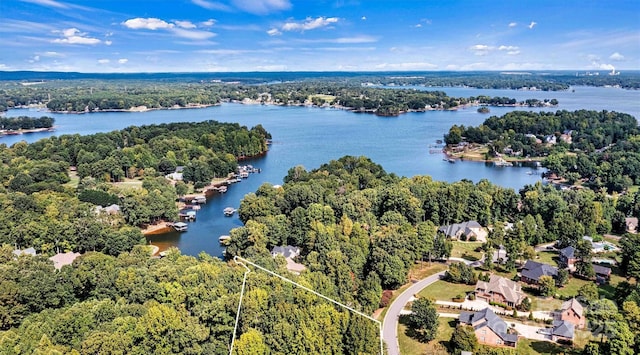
[{"x": 390, "y": 322}]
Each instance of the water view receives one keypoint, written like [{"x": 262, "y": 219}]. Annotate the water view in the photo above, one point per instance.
[{"x": 307, "y": 136}]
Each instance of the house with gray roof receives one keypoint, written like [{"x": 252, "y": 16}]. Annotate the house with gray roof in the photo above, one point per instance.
[
  {"x": 468, "y": 229},
  {"x": 567, "y": 257},
  {"x": 500, "y": 289},
  {"x": 533, "y": 270},
  {"x": 563, "y": 331},
  {"x": 573, "y": 312},
  {"x": 489, "y": 328}
]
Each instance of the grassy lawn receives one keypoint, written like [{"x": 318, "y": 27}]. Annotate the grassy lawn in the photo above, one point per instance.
[
  {"x": 534, "y": 347},
  {"x": 73, "y": 183},
  {"x": 466, "y": 250},
  {"x": 445, "y": 291},
  {"x": 548, "y": 257},
  {"x": 572, "y": 286},
  {"x": 129, "y": 183},
  {"x": 411, "y": 346},
  {"x": 327, "y": 98}
]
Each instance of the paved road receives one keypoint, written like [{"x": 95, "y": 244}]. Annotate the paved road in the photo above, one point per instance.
[{"x": 390, "y": 322}]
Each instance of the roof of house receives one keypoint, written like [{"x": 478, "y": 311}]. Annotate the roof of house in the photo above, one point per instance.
[
  {"x": 568, "y": 252},
  {"x": 452, "y": 230},
  {"x": 563, "y": 329},
  {"x": 533, "y": 270},
  {"x": 62, "y": 259},
  {"x": 28, "y": 251},
  {"x": 573, "y": 304},
  {"x": 486, "y": 317},
  {"x": 510, "y": 290},
  {"x": 601, "y": 270},
  {"x": 288, "y": 251}
]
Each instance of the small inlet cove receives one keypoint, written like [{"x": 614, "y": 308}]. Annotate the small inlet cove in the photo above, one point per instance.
[{"x": 407, "y": 145}]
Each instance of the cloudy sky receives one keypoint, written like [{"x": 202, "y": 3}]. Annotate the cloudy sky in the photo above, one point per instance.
[{"x": 318, "y": 35}]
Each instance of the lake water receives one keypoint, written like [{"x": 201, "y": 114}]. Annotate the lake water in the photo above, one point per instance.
[{"x": 312, "y": 136}]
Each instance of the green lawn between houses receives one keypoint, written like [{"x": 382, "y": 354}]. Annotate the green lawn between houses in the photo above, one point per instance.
[{"x": 466, "y": 250}]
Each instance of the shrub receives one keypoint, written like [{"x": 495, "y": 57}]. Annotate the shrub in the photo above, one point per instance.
[
  {"x": 473, "y": 238},
  {"x": 472, "y": 296},
  {"x": 386, "y": 298}
]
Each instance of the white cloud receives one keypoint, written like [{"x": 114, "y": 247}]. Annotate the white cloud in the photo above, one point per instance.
[
  {"x": 123, "y": 60},
  {"x": 309, "y": 24},
  {"x": 363, "y": 18},
  {"x": 508, "y": 48},
  {"x": 274, "y": 32},
  {"x": 418, "y": 25},
  {"x": 593, "y": 58},
  {"x": 103, "y": 61},
  {"x": 481, "y": 49},
  {"x": 513, "y": 24},
  {"x": 185, "y": 24},
  {"x": 74, "y": 36},
  {"x": 532, "y": 25},
  {"x": 261, "y": 7},
  {"x": 356, "y": 39},
  {"x": 211, "y": 5},
  {"x": 406, "y": 66},
  {"x": 150, "y": 23},
  {"x": 48, "y": 3},
  {"x": 192, "y": 34},
  {"x": 616, "y": 56},
  {"x": 108, "y": 43},
  {"x": 516, "y": 52},
  {"x": 208, "y": 23},
  {"x": 604, "y": 66},
  {"x": 3, "y": 66},
  {"x": 52, "y": 54}
]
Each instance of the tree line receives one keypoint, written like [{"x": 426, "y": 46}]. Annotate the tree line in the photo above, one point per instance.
[{"x": 25, "y": 122}]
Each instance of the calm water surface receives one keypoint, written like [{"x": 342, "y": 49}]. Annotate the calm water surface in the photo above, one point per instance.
[{"x": 312, "y": 136}]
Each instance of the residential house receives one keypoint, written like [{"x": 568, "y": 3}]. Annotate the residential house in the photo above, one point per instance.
[
  {"x": 489, "y": 328},
  {"x": 468, "y": 229},
  {"x": 500, "y": 289},
  {"x": 603, "y": 273},
  {"x": 567, "y": 257},
  {"x": 289, "y": 253},
  {"x": 28, "y": 251},
  {"x": 562, "y": 331},
  {"x": 572, "y": 312},
  {"x": 62, "y": 259},
  {"x": 632, "y": 224},
  {"x": 533, "y": 270}
]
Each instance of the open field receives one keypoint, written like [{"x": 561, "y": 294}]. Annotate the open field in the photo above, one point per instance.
[
  {"x": 445, "y": 291},
  {"x": 466, "y": 250}
]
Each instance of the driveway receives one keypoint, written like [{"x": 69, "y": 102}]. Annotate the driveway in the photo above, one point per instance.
[{"x": 390, "y": 321}]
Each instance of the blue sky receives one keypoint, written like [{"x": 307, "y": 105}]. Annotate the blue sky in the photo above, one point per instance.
[{"x": 317, "y": 35}]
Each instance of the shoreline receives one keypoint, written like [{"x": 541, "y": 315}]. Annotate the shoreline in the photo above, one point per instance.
[{"x": 132, "y": 109}]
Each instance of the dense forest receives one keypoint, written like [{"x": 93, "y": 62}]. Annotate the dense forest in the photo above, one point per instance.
[
  {"x": 41, "y": 208},
  {"x": 596, "y": 148},
  {"x": 360, "y": 229},
  {"x": 548, "y": 80},
  {"x": 92, "y": 96},
  {"x": 25, "y": 122}
]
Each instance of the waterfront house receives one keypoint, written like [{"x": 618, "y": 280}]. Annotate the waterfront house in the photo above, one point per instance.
[
  {"x": 572, "y": 312},
  {"x": 489, "y": 328},
  {"x": 562, "y": 331},
  {"x": 289, "y": 253},
  {"x": 468, "y": 229},
  {"x": 500, "y": 289},
  {"x": 62, "y": 259},
  {"x": 567, "y": 257},
  {"x": 533, "y": 270}
]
